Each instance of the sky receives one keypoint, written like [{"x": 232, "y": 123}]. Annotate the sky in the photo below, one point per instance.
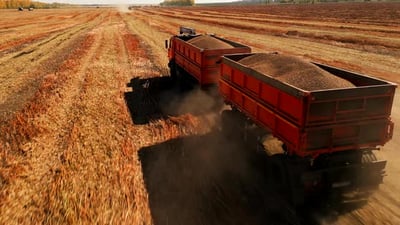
[{"x": 123, "y": 1}]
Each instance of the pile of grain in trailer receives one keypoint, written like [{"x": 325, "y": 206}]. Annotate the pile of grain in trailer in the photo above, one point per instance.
[
  {"x": 209, "y": 42},
  {"x": 294, "y": 71}
]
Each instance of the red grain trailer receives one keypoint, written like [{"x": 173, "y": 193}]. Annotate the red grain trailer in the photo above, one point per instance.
[{"x": 328, "y": 135}]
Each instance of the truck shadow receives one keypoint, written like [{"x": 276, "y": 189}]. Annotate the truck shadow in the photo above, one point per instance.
[
  {"x": 143, "y": 100},
  {"x": 159, "y": 97},
  {"x": 209, "y": 179}
]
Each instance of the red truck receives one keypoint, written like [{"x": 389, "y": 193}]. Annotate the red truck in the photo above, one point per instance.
[
  {"x": 327, "y": 136},
  {"x": 190, "y": 64}
]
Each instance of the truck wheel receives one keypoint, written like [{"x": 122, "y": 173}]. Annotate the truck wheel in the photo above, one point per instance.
[
  {"x": 181, "y": 80},
  {"x": 172, "y": 70}
]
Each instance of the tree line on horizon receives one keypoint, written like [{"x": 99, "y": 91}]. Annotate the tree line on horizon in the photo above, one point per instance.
[
  {"x": 15, "y": 4},
  {"x": 177, "y": 3},
  {"x": 239, "y": 2}
]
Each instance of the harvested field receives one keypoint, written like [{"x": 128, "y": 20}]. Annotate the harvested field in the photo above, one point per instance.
[{"x": 77, "y": 147}]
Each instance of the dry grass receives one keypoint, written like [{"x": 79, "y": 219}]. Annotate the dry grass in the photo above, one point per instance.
[
  {"x": 24, "y": 66},
  {"x": 154, "y": 40},
  {"x": 70, "y": 154},
  {"x": 40, "y": 24}
]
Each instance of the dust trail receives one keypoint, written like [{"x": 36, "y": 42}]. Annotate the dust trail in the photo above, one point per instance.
[{"x": 123, "y": 8}]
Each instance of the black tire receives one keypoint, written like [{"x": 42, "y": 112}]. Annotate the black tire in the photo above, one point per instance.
[
  {"x": 232, "y": 124},
  {"x": 172, "y": 70}
]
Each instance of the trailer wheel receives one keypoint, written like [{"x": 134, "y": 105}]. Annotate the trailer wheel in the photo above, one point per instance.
[
  {"x": 226, "y": 122},
  {"x": 375, "y": 176},
  {"x": 276, "y": 172},
  {"x": 232, "y": 125}
]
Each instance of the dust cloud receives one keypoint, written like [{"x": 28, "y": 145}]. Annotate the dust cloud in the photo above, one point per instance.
[
  {"x": 204, "y": 104},
  {"x": 123, "y": 8}
]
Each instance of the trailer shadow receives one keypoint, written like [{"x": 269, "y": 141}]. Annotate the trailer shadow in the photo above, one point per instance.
[
  {"x": 209, "y": 180},
  {"x": 160, "y": 97}
]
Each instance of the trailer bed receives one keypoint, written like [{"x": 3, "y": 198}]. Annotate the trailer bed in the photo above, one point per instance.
[{"x": 312, "y": 122}]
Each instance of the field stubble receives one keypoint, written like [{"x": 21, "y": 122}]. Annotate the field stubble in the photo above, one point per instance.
[{"x": 70, "y": 153}]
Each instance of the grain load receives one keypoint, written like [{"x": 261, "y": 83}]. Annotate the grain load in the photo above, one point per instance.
[
  {"x": 209, "y": 42},
  {"x": 294, "y": 71}
]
